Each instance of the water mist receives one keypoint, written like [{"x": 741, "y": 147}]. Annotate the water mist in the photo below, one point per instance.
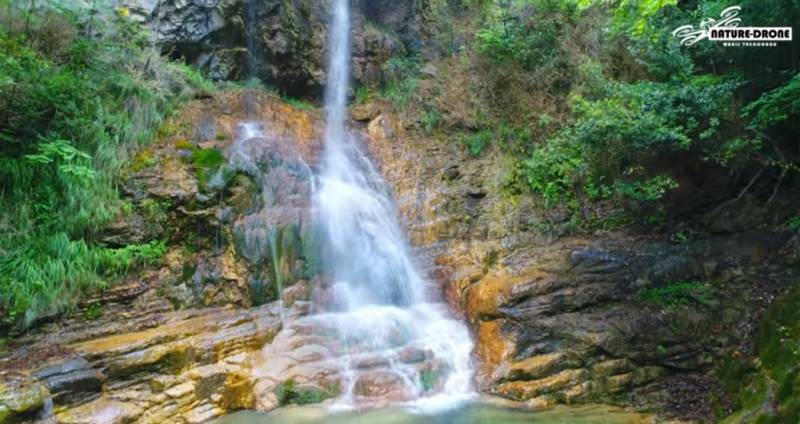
[{"x": 380, "y": 307}]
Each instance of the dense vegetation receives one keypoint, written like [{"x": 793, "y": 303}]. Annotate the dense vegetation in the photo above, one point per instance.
[
  {"x": 80, "y": 93},
  {"x": 606, "y": 113},
  {"x": 610, "y": 121}
]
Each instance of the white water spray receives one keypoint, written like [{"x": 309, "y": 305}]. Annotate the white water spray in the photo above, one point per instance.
[{"x": 380, "y": 308}]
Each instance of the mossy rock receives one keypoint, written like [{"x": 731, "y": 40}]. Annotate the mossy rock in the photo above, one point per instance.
[
  {"x": 21, "y": 397},
  {"x": 767, "y": 390},
  {"x": 289, "y": 393}
]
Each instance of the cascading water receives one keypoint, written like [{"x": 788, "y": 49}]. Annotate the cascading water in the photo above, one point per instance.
[
  {"x": 253, "y": 56},
  {"x": 379, "y": 307}
]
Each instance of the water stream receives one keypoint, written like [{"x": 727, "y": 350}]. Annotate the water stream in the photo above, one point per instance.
[
  {"x": 380, "y": 306},
  {"x": 469, "y": 413}
]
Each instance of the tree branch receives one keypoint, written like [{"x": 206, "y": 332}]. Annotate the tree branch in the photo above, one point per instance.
[{"x": 741, "y": 193}]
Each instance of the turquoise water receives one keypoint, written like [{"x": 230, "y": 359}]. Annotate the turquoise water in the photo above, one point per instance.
[{"x": 474, "y": 413}]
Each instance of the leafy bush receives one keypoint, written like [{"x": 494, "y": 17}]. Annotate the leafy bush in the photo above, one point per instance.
[
  {"x": 555, "y": 170},
  {"x": 774, "y": 107},
  {"x": 794, "y": 223},
  {"x": 402, "y": 78},
  {"x": 643, "y": 112},
  {"x": 615, "y": 138},
  {"x": 513, "y": 35},
  {"x": 74, "y": 109}
]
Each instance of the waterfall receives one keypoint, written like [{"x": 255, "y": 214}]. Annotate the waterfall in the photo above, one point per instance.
[
  {"x": 380, "y": 307},
  {"x": 365, "y": 245},
  {"x": 253, "y": 54}
]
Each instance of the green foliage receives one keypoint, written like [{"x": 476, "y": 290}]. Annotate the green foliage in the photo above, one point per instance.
[
  {"x": 648, "y": 190},
  {"x": 643, "y": 112},
  {"x": 205, "y": 162},
  {"x": 555, "y": 170},
  {"x": 477, "y": 142},
  {"x": 775, "y": 106},
  {"x": 651, "y": 117},
  {"x": 794, "y": 223},
  {"x": 431, "y": 119},
  {"x": 74, "y": 109},
  {"x": 45, "y": 275},
  {"x": 768, "y": 392},
  {"x": 778, "y": 344},
  {"x": 631, "y": 16},
  {"x": 364, "y": 94},
  {"x": 608, "y": 149},
  {"x": 300, "y": 104},
  {"x": 289, "y": 393},
  {"x": 208, "y": 158},
  {"x": 511, "y": 38},
  {"x": 402, "y": 78},
  {"x": 677, "y": 294}
]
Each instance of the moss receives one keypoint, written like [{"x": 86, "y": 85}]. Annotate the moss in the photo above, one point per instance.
[
  {"x": 429, "y": 378},
  {"x": 184, "y": 144},
  {"x": 154, "y": 211},
  {"x": 677, "y": 294},
  {"x": 310, "y": 254},
  {"x": 205, "y": 162},
  {"x": 259, "y": 294},
  {"x": 300, "y": 104},
  {"x": 767, "y": 390},
  {"x": 778, "y": 344},
  {"x": 288, "y": 393},
  {"x": 207, "y": 158},
  {"x": 145, "y": 159},
  {"x": 92, "y": 312},
  {"x": 169, "y": 128}
]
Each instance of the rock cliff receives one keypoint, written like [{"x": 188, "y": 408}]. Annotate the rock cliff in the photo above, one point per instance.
[{"x": 281, "y": 42}]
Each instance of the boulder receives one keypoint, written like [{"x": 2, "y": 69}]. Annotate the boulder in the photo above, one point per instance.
[
  {"x": 21, "y": 397},
  {"x": 70, "y": 378}
]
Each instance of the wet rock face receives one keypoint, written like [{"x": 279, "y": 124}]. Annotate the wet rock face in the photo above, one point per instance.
[
  {"x": 190, "y": 369},
  {"x": 233, "y": 207},
  {"x": 405, "y": 18},
  {"x": 21, "y": 398},
  {"x": 70, "y": 379},
  {"x": 281, "y": 42},
  {"x": 565, "y": 319}
]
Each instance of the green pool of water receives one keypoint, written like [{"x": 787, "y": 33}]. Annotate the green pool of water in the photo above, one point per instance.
[{"x": 473, "y": 413}]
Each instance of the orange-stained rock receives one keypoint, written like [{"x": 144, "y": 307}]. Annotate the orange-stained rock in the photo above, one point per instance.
[
  {"x": 222, "y": 114},
  {"x": 492, "y": 347},
  {"x": 232, "y": 269},
  {"x": 524, "y": 390},
  {"x": 538, "y": 366},
  {"x": 493, "y": 291}
]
